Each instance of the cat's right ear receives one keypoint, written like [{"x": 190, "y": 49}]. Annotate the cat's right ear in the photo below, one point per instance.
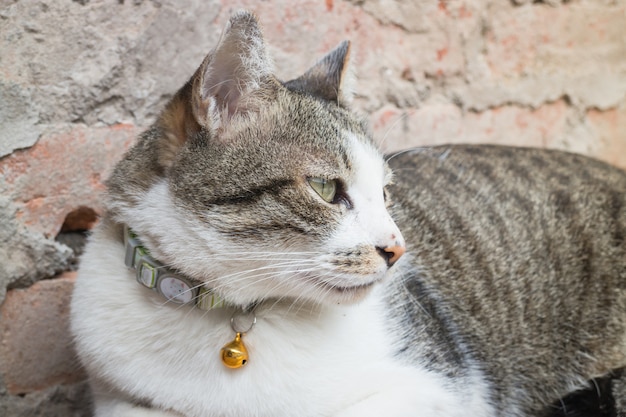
[
  {"x": 237, "y": 68},
  {"x": 225, "y": 85}
]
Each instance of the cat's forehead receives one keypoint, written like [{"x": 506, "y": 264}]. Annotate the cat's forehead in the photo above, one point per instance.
[
  {"x": 346, "y": 145},
  {"x": 307, "y": 128},
  {"x": 296, "y": 136}
]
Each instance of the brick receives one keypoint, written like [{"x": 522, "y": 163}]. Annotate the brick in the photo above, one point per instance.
[
  {"x": 550, "y": 125},
  {"x": 442, "y": 123},
  {"x": 540, "y": 39},
  {"x": 534, "y": 54},
  {"x": 35, "y": 345},
  {"x": 64, "y": 171}
]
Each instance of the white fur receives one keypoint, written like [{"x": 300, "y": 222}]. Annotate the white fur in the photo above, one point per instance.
[
  {"x": 369, "y": 221},
  {"x": 327, "y": 361}
]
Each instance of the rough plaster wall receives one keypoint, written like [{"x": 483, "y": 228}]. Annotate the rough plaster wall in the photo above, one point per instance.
[{"x": 79, "y": 79}]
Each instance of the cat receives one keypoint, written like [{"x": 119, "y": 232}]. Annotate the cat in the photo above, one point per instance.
[{"x": 259, "y": 257}]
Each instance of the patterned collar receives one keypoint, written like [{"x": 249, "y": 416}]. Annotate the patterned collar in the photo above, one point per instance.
[{"x": 171, "y": 284}]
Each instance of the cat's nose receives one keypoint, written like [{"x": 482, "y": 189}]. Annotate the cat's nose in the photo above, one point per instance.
[{"x": 391, "y": 254}]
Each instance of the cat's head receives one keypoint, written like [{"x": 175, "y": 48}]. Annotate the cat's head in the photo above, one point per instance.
[{"x": 260, "y": 188}]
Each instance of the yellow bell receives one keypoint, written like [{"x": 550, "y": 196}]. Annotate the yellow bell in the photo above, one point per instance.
[{"x": 234, "y": 354}]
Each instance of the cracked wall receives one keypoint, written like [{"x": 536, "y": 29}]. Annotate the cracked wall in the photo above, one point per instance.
[{"x": 80, "y": 79}]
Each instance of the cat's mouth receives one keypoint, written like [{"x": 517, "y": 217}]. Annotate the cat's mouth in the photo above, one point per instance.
[{"x": 351, "y": 292}]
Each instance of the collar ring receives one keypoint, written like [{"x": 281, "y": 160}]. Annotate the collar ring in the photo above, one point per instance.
[{"x": 235, "y": 321}]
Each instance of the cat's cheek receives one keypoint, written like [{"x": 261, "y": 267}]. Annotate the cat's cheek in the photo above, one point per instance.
[{"x": 360, "y": 262}]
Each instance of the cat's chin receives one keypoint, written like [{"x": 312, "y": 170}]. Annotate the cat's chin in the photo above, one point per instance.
[{"x": 347, "y": 294}]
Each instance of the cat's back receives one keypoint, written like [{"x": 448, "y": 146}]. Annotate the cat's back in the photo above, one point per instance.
[
  {"x": 522, "y": 194},
  {"x": 521, "y": 254}
]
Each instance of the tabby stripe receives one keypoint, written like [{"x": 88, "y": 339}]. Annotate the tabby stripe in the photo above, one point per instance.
[
  {"x": 615, "y": 209},
  {"x": 259, "y": 231},
  {"x": 252, "y": 195}
]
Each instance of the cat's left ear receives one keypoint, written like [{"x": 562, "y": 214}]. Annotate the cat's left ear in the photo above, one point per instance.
[{"x": 330, "y": 78}]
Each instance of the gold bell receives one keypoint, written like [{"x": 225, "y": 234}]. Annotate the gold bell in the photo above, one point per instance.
[{"x": 234, "y": 354}]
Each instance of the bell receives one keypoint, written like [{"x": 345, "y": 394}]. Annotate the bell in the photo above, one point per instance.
[{"x": 234, "y": 354}]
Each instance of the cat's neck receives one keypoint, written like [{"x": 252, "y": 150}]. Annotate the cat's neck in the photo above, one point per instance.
[
  {"x": 178, "y": 288},
  {"x": 174, "y": 286}
]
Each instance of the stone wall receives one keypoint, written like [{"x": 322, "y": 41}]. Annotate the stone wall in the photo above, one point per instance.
[{"x": 79, "y": 79}]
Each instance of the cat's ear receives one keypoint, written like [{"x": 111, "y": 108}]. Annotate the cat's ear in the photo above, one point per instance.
[
  {"x": 224, "y": 85},
  {"x": 330, "y": 78},
  {"x": 233, "y": 71}
]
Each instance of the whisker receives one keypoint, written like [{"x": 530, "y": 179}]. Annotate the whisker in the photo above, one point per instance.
[
  {"x": 402, "y": 117},
  {"x": 295, "y": 266},
  {"x": 395, "y": 154},
  {"x": 243, "y": 275},
  {"x": 194, "y": 260}
]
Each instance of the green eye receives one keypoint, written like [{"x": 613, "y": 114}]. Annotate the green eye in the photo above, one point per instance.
[{"x": 325, "y": 188}]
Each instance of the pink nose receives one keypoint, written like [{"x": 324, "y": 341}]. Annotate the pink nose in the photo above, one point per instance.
[{"x": 391, "y": 253}]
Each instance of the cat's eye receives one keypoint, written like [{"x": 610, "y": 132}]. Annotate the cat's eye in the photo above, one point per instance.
[{"x": 325, "y": 188}]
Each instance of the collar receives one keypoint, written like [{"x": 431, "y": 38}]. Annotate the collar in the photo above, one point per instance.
[{"x": 169, "y": 283}]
